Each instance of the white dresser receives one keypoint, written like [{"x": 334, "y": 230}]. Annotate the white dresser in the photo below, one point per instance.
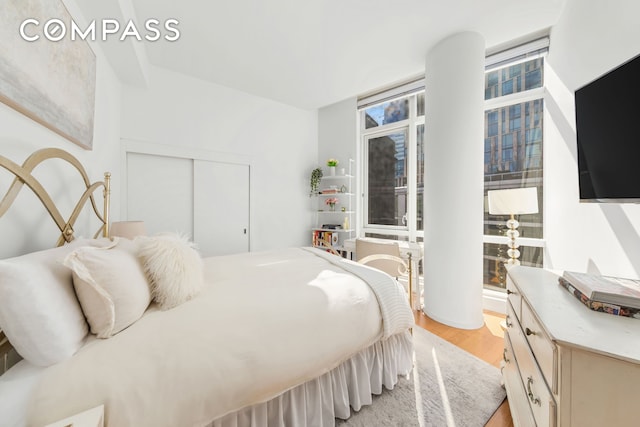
[{"x": 566, "y": 365}]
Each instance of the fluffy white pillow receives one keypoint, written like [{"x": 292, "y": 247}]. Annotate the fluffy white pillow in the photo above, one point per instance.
[
  {"x": 39, "y": 311},
  {"x": 111, "y": 286},
  {"x": 173, "y": 267}
]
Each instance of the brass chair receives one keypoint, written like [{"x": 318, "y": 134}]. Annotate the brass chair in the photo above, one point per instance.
[{"x": 385, "y": 256}]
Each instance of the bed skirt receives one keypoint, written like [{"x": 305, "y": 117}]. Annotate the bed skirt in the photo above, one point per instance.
[{"x": 320, "y": 401}]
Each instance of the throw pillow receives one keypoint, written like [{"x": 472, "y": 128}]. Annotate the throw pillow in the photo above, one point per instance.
[
  {"x": 173, "y": 267},
  {"x": 111, "y": 286}
]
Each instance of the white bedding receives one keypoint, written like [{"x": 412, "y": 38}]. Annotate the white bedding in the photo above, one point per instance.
[
  {"x": 265, "y": 323},
  {"x": 16, "y": 387}
]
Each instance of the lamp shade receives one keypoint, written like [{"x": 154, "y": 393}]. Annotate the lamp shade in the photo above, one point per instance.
[
  {"x": 514, "y": 201},
  {"x": 127, "y": 229}
]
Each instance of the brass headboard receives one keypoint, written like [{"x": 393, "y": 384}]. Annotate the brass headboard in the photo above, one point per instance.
[{"x": 23, "y": 177}]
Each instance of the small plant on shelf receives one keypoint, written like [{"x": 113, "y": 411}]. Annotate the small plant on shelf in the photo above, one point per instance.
[
  {"x": 332, "y": 163},
  {"x": 316, "y": 176}
]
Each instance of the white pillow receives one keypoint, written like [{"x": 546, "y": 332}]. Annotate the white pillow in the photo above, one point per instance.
[
  {"x": 39, "y": 311},
  {"x": 110, "y": 285},
  {"x": 173, "y": 267}
]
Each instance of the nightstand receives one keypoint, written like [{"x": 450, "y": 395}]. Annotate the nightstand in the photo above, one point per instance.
[{"x": 93, "y": 417}]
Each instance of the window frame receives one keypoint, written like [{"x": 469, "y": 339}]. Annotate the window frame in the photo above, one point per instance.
[{"x": 410, "y": 127}]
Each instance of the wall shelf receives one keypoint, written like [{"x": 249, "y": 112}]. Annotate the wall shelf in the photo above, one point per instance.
[{"x": 334, "y": 238}]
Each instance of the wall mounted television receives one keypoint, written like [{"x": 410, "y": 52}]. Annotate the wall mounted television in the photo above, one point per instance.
[{"x": 608, "y": 136}]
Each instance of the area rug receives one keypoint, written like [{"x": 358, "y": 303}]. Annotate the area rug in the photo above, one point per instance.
[{"x": 448, "y": 387}]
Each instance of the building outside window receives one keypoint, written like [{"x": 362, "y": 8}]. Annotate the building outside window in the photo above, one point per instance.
[{"x": 513, "y": 159}]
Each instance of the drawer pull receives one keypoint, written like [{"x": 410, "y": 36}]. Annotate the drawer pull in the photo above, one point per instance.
[
  {"x": 507, "y": 322},
  {"x": 509, "y": 292},
  {"x": 533, "y": 399},
  {"x": 504, "y": 356},
  {"x": 529, "y": 331}
]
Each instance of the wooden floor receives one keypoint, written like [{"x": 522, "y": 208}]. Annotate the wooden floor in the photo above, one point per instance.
[{"x": 485, "y": 343}]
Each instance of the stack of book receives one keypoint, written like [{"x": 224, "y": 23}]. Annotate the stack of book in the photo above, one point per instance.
[
  {"x": 324, "y": 239},
  {"x": 620, "y": 297}
]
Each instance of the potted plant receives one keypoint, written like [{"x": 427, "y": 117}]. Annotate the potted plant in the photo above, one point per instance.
[
  {"x": 331, "y": 202},
  {"x": 316, "y": 176},
  {"x": 332, "y": 163}
]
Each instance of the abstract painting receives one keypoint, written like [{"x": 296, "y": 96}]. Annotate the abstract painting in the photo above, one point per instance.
[{"x": 51, "y": 82}]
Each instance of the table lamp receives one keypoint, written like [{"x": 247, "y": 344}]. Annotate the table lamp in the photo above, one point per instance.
[
  {"x": 514, "y": 201},
  {"x": 127, "y": 229}
]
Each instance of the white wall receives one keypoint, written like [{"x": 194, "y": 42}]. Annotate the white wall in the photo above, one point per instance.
[
  {"x": 338, "y": 139},
  {"x": 338, "y": 134},
  {"x": 27, "y": 227},
  {"x": 280, "y": 141},
  {"x": 589, "y": 39}
]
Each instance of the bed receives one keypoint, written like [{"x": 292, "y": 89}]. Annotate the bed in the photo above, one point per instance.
[{"x": 292, "y": 337}]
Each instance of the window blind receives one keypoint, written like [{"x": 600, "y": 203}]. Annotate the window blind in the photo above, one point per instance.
[
  {"x": 520, "y": 53},
  {"x": 524, "y": 51},
  {"x": 393, "y": 93}
]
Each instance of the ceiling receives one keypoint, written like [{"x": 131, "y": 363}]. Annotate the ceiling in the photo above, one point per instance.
[{"x": 310, "y": 54}]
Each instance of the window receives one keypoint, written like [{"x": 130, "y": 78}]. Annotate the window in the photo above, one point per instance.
[
  {"x": 420, "y": 169},
  {"x": 533, "y": 79},
  {"x": 492, "y": 123},
  {"x": 487, "y": 151},
  {"x": 386, "y": 183},
  {"x": 514, "y": 117},
  {"x": 392, "y": 127},
  {"x": 389, "y": 112},
  {"x": 507, "y": 87},
  {"x": 513, "y": 159},
  {"x": 507, "y": 149},
  {"x": 392, "y": 133}
]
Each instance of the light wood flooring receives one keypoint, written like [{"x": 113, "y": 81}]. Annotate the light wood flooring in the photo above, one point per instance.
[{"x": 485, "y": 343}]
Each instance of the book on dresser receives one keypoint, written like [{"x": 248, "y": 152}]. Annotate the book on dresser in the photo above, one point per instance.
[{"x": 620, "y": 297}]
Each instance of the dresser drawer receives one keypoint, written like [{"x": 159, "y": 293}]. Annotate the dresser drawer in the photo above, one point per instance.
[
  {"x": 518, "y": 400},
  {"x": 543, "y": 349},
  {"x": 536, "y": 391},
  {"x": 514, "y": 297}
]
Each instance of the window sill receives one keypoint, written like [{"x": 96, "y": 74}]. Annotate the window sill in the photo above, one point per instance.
[{"x": 495, "y": 301}]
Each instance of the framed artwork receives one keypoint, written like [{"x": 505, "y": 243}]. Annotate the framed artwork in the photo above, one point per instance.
[{"x": 51, "y": 82}]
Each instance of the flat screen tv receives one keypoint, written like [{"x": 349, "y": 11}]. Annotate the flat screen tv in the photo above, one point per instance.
[{"x": 608, "y": 135}]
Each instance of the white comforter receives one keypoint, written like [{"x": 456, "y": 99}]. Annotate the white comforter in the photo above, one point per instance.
[{"x": 265, "y": 323}]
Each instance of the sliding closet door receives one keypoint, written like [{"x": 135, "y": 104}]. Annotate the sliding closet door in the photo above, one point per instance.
[
  {"x": 221, "y": 207},
  {"x": 160, "y": 192}
]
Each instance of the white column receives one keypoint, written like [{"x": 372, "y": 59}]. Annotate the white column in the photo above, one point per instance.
[{"x": 454, "y": 181}]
